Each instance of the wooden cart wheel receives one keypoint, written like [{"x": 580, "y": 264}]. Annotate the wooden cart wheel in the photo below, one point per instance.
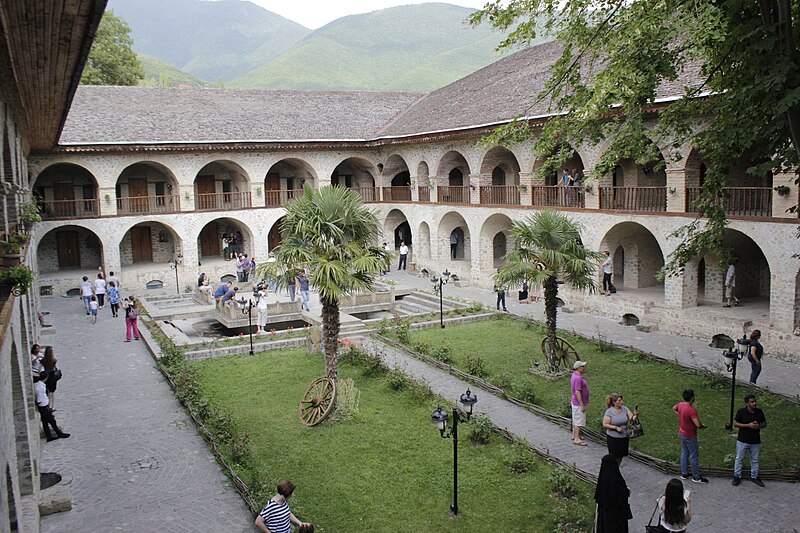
[
  {"x": 565, "y": 354},
  {"x": 317, "y": 402}
]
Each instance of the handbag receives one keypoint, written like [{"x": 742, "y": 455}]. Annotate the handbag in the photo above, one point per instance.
[
  {"x": 650, "y": 528},
  {"x": 56, "y": 374},
  {"x": 635, "y": 428}
]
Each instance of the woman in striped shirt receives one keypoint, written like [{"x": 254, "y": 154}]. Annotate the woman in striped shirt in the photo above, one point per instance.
[{"x": 276, "y": 517}]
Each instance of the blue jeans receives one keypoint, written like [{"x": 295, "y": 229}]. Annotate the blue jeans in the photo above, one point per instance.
[
  {"x": 753, "y": 450},
  {"x": 304, "y": 296},
  {"x": 755, "y": 369},
  {"x": 86, "y": 300},
  {"x": 691, "y": 451}
]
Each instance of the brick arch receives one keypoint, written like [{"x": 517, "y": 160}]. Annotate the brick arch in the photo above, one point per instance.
[
  {"x": 451, "y": 222},
  {"x": 357, "y": 173},
  {"x": 499, "y": 157},
  {"x": 573, "y": 159},
  {"x": 423, "y": 249},
  {"x": 396, "y": 227},
  {"x": 69, "y": 246},
  {"x": 643, "y": 256},
  {"x": 493, "y": 226},
  {"x": 449, "y": 161},
  {"x": 278, "y": 177}
]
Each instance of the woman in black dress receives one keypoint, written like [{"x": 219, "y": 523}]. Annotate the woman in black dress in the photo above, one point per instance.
[{"x": 611, "y": 495}]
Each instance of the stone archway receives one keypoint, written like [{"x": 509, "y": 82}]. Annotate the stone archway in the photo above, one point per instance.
[
  {"x": 285, "y": 180},
  {"x": 145, "y": 188},
  {"x": 222, "y": 185},
  {"x": 454, "y": 227},
  {"x": 67, "y": 248},
  {"x": 66, "y": 190},
  {"x": 495, "y": 241},
  {"x": 424, "y": 241},
  {"x": 637, "y": 258},
  {"x": 396, "y": 225}
]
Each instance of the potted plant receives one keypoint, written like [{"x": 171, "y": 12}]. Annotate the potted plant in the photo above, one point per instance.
[
  {"x": 29, "y": 214},
  {"x": 11, "y": 249},
  {"x": 16, "y": 279},
  {"x": 782, "y": 190}
]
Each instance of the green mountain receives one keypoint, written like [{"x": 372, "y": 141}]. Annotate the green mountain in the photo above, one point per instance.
[
  {"x": 407, "y": 48},
  {"x": 160, "y": 74},
  {"x": 211, "y": 40}
]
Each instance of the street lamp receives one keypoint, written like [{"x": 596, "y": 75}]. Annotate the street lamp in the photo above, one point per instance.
[
  {"x": 246, "y": 306},
  {"x": 441, "y": 281},
  {"x": 440, "y": 418},
  {"x": 173, "y": 264},
  {"x": 731, "y": 359}
]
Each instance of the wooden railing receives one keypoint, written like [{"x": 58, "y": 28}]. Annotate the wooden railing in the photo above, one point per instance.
[
  {"x": 281, "y": 197},
  {"x": 649, "y": 199},
  {"x": 65, "y": 209},
  {"x": 453, "y": 195},
  {"x": 738, "y": 201},
  {"x": 368, "y": 194},
  {"x": 397, "y": 194},
  {"x": 424, "y": 193},
  {"x": 499, "y": 195},
  {"x": 222, "y": 200},
  {"x": 558, "y": 196},
  {"x": 148, "y": 204}
]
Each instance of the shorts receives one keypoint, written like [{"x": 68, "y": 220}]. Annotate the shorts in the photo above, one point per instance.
[
  {"x": 578, "y": 416},
  {"x": 94, "y": 312}
]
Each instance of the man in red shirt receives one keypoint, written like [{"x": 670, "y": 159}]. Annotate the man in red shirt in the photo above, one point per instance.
[{"x": 688, "y": 424}]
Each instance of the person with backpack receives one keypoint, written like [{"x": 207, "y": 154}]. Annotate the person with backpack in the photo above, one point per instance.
[{"x": 131, "y": 319}]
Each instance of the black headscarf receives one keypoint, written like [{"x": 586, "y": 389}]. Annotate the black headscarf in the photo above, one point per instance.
[{"x": 611, "y": 491}]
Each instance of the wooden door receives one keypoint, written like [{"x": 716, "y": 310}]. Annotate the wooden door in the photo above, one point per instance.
[
  {"x": 209, "y": 241},
  {"x": 141, "y": 244},
  {"x": 69, "y": 252},
  {"x": 64, "y": 194},
  {"x": 274, "y": 235},
  {"x": 137, "y": 190},
  {"x": 206, "y": 189}
]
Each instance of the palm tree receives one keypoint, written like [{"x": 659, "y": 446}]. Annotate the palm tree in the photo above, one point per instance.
[
  {"x": 330, "y": 232},
  {"x": 548, "y": 248}
]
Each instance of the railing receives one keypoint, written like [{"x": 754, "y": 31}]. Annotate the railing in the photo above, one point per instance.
[
  {"x": 499, "y": 195},
  {"x": 453, "y": 195},
  {"x": 397, "y": 194},
  {"x": 738, "y": 201},
  {"x": 650, "y": 199},
  {"x": 134, "y": 205},
  {"x": 222, "y": 200},
  {"x": 424, "y": 193},
  {"x": 63, "y": 209},
  {"x": 281, "y": 197},
  {"x": 368, "y": 194},
  {"x": 558, "y": 196}
]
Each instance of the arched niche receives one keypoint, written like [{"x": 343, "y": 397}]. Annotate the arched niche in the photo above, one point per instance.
[
  {"x": 637, "y": 257},
  {"x": 358, "y": 174},
  {"x": 396, "y": 225},
  {"x": 69, "y": 248},
  {"x": 149, "y": 243},
  {"x": 423, "y": 244},
  {"x": 495, "y": 242},
  {"x": 66, "y": 190},
  {"x": 286, "y": 179},
  {"x": 454, "y": 227},
  {"x": 222, "y": 185},
  {"x": 147, "y": 188}
]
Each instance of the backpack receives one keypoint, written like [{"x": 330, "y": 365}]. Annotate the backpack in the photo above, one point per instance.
[{"x": 133, "y": 314}]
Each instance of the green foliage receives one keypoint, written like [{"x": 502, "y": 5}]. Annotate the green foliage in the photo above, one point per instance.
[
  {"x": 442, "y": 353},
  {"x": 402, "y": 331},
  {"x": 475, "y": 365},
  {"x": 615, "y": 58},
  {"x": 422, "y": 347},
  {"x": 564, "y": 483},
  {"x": 348, "y": 398},
  {"x": 384, "y": 327},
  {"x": 112, "y": 60},
  {"x": 481, "y": 430},
  {"x": 160, "y": 74},
  {"x": 504, "y": 380},
  {"x": 20, "y": 277},
  {"x": 570, "y": 518},
  {"x": 370, "y": 363},
  {"x": 420, "y": 392},
  {"x": 521, "y": 459},
  {"x": 526, "y": 391},
  {"x": 397, "y": 380},
  {"x": 29, "y": 212}
]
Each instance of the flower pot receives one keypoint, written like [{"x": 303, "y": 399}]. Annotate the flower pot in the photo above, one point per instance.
[{"x": 11, "y": 259}]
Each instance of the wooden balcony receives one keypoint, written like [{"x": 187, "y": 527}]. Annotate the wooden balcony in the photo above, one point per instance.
[
  {"x": 453, "y": 195},
  {"x": 397, "y": 194},
  {"x": 143, "y": 205},
  {"x": 281, "y": 197},
  {"x": 500, "y": 195},
  {"x": 642, "y": 199},
  {"x": 69, "y": 209},
  {"x": 738, "y": 201},
  {"x": 558, "y": 196},
  {"x": 368, "y": 194},
  {"x": 424, "y": 193},
  {"x": 223, "y": 201}
]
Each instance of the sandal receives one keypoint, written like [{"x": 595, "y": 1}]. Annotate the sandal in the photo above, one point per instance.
[
  {"x": 579, "y": 443},
  {"x": 725, "y": 305}
]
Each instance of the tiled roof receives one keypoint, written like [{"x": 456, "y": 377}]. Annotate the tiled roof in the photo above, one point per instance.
[
  {"x": 148, "y": 115},
  {"x": 143, "y": 115}
]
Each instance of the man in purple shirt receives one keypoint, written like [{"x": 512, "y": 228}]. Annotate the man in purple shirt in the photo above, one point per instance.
[{"x": 580, "y": 399}]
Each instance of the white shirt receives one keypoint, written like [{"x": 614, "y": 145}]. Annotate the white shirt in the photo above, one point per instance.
[
  {"x": 87, "y": 289},
  {"x": 608, "y": 266},
  {"x": 403, "y": 249},
  {"x": 665, "y": 525},
  {"x": 41, "y": 394},
  {"x": 99, "y": 286},
  {"x": 730, "y": 276},
  {"x": 93, "y": 305}
]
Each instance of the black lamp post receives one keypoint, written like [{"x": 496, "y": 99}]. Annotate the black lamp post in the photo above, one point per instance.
[
  {"x": 247, "y": 309},
  {"x": 174, "y": 264},
  {"x": 441, "y": 281},
  {"x": 731, "y": 359},
  {"x": 440, "y": 419}
]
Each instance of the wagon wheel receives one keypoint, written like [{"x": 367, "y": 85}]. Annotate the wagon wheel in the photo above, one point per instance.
[
  {"x": 317, "y": 402},
  {"x": 565, "y": 353}
]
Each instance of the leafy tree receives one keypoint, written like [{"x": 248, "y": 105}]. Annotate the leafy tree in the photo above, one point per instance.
[
  {"x": 740, "y": 58},
  {"x": 112, "y": 60},
  {"x": 548, "y": 247},
  {"x": 335, "y": 236}
]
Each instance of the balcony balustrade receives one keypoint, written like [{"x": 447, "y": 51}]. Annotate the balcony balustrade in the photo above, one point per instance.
[
  {"x": 142, "y": 205},
  {"x": 738, "y": 201},
  {"x": 645, "y": 199},
  {"x": 500, "y": 195},
  {"x": 453, "y": 195},
  {"x": 69, "y": 209},
  {"x": 558, "y": 196},
  {"x": 397, "y": 194},
  {"x": 222, "y": 201},
  {"x": 280, "y": 198},
  {"x": 368, "y": 194},
  {"x": 424, "y": 193}
]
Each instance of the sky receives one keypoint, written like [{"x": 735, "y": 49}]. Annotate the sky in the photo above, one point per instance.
[{"x": 316, "y": 13}]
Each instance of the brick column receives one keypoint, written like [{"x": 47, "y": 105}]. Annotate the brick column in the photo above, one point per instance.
[
  {"x": 780, "y": 203},
  {"x": 591, "y": 199},
  {"x": 676, "y": 190},
  {"x": 475, "y": 182},
  {"x": 107, "y": 207},
  {"x": 680, "y": 292},
  {"x": 526, "y": 182}
]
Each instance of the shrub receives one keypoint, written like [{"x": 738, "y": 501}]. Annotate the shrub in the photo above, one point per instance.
[
  {"x": 384, "y": 327},
  {"x": 420, "y": 391},
  {"x": 403, "y": 331},
  {"x": 371, "y": 364},
  {"x": 475, "y": 365},
  {"x": 521, "y": 459},
  {"x": 564, "y": 482},
  {"x": 481, "y": 430},
  {"x": 239, "y": 447},
  {"x": 505, "y": 380},
  {"x": 397, "y": 380},
  {"x": 222, "y": 426},
  {"x": 348, "y": 398},
  {"x": 526, "y": 391},
  {"x": 422, "y": 347},
  {"x": 568, "y": 518},
  {"x": 443, "y": 353}
]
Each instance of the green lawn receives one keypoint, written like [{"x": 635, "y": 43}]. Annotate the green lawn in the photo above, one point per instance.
[
  {"x": 387, "y": 469},
  {"x": 509, "y": 348}
]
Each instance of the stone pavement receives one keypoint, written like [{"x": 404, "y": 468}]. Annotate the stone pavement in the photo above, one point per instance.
[{"x": 135, "y": 461}]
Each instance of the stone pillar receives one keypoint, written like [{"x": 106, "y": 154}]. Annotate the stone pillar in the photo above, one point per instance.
[
  {"x": 476, "y": 181},
  {"x": 258, "y": 198},
  {"x": 591, "y": 199},
  {"x": 112, "y": 262},
  {"x": 676, "y": 190},
  {"x": 434, "y": 188},
  {"x": 414, "y": 189},
  {"x": 780, "y": 203},
  {"x": 680, "y": 292},
  {"x": 187, "y": 197},
  {"x": 526, "y": 182},
  {"x": 107, "y": 207}
]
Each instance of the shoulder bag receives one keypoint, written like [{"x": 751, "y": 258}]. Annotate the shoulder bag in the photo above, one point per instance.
[
  {"x": 650, "y": 528},
  {"x": 635, "y": 428}
]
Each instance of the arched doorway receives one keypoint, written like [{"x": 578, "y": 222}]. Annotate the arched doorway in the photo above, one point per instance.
[
  {"x": 147, "y": 188},
  {"x": 65, "y": 191},
  {"x": 69, "y": 248},
  {"x": 454, "y": 237},
  {"x": 222, "y": 185},
  {"x": 285, "y": 180},
  {"x": 357, "y": 174}
]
